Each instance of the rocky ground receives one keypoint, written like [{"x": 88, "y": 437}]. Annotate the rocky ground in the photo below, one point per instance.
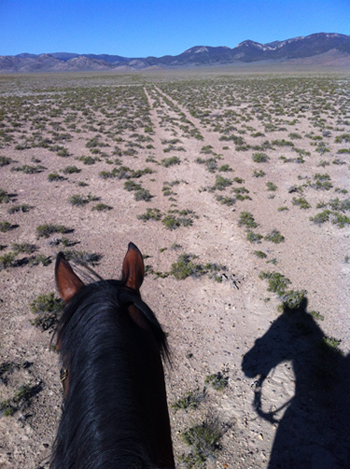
[{"x": 192, "y": 168}]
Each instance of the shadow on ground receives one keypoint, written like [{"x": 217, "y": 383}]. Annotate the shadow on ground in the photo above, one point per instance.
[{"x": 314, "y": 431}]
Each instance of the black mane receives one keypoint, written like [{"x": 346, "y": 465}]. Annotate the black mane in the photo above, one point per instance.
[{"x": 100, "y": 425}]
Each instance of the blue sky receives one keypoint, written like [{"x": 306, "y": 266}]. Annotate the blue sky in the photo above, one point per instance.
[{"x": 135, "y": 28}]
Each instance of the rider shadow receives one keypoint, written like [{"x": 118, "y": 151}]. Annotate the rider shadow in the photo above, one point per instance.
[{"x": 314, "y": 431}]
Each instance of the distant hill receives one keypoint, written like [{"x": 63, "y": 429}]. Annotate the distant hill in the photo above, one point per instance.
[{"x": 318, "y": 46}]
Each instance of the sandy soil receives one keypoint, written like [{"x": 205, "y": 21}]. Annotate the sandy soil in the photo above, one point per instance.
[{"x": 299, "y": 417}]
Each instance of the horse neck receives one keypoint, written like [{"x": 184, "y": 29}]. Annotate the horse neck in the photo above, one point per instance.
[{"x": 116, "y": 407}]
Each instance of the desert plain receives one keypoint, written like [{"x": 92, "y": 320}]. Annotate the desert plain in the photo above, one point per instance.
[{"x": 234, "y": 186}]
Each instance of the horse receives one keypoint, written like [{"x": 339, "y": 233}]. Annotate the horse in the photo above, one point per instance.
[
  {"x": 314, "y": 432},
  {"x": 112, "y": 348}
]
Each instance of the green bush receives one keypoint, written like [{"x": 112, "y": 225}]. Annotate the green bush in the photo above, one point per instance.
[
  {"x": 81, "y": 200},
  {"x": 5, "y": 226},
  {"x": 27, "y": 169},
  {"x": 301, "y": 202},
  {"x": 7, "y": 260},
  {"x": 102, "y": 207},
  {"x": 275, "y": 237},
  {"x": 254, "y": 237},
  {"x": 151, "y": 214},
  {"x": 71, "y": 170},
  {"x": 191, "y": 400},
  {"x": 184, "y": 267},
  {"x": 260, "y": 157},
  {"x": 4, "y": 197},
  {"x": 47, "y": 309},
  {"x": 247, "y": 219},
  {"x": 260, "y": 254},
  {"x": 19, "y": 208},
  {"x": 44, "y": 231},
  {"x": 4, "y": 161},
  {"x": 174, "y": 160},
  {"x": 55, "y": 177},
  {"x": 204, "y": 440},
  {"x": 277, "y": 282},
  {"x": 217, "y": 380}
]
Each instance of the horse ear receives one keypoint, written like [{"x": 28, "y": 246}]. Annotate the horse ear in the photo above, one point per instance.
[
  {"x": 67, "y": 282},
  {"x": 133, "y": 268}
]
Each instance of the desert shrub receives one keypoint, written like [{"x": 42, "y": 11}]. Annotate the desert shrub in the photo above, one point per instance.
[
  {"x": 151, "y": 214},
  {"x": 342, "y": 138},
  {"x": 191, "y": 400},
  {"x": 331, "y": 342},
  {"x": 247, "y": 219},
  {"x": 4, "y": 197},
  {"x": 95, "y": 142},
  {"x": 254, "y": 237},
  {"x": 340, "y": 220},
  {"x": 23, "y": 247},
  {"x": 107, "y": 174},
  {"x": 210, "y": 163},
  {"x": 277, "y": 282},
  {"x": 61, "y": 151},
  {"x": 102, "y": 207},
  {"x": 207, "y": 149},
  {"x": 226, "y": 200},
  {"x": 220, "y": 184},
  {"x": 275, "y": 237},
  {"x": 171, "y": 222},
  {"x": 44, "y": 231},
  {"x": 143, "y": 194},
  {"x": 81, "y": 200},
  {"x": 294, "y": 136},
  {"x": 176, "y": 218},
  {"x": 24, "y": 208},
  {"x": 271, "y": 186},
  {"x": 321, "y": 217},
  {"x": 323, "y": 163},
  {"x": 322, "y": 182},
  {"x": 217, "y": 380},
  {"x": 20, "y": 399},
  {"x": 225, "y": 168},
  {"x": 132, "y": 186},
  {"x": 259, "y": 174},
  {"x": 173, "y": 160},
  {"x": 184, "y": 267},
  {"x": 71, "y": 170},
  {"x": 4, "y": 161},
  {"x": 292, "y": 299},
  {"x": 260, "y": 254},
  {"x": 27, "y": 169},
  {"x": 260, "y": 157},
  {"x": 82, "y": 257},
  {"x": 88, "y": 160},
  {"x": 238, "y": 180},
  {"x": 40, "y": 259},
  {"x": 55, "y": 177},
  {"x": 282, "y": 143},
  {"x": 7, "y": 260},
  {"x": 204, "y": 440},
  {"x": 5, "y": 226},
  {"x": 239, "y": 191},
  {"x": 47, "y": 308},
  {"x": 301, "y": 202}
]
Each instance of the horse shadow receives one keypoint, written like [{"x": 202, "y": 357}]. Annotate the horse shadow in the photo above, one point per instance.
[{"x": 314, "y": 431}]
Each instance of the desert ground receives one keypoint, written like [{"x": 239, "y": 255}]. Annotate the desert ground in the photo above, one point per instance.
[{"x": 234, "y": 186}]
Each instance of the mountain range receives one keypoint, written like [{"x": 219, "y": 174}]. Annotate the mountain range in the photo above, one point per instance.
[{"x": 320, "y": 46}]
